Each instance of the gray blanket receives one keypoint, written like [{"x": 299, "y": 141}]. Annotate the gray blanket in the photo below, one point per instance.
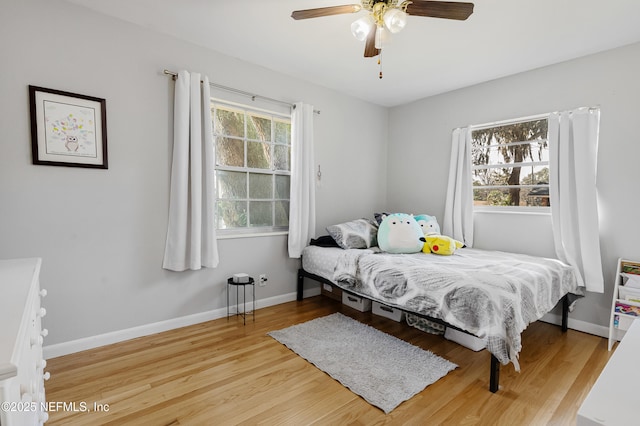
[{"x": 493, "y": 295}]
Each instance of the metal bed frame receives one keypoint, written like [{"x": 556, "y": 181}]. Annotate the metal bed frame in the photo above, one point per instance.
[{"x": 494, "y": 372}]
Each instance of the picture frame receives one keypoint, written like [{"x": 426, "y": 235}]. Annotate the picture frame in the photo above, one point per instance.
[{"x": 68, "y": 129}]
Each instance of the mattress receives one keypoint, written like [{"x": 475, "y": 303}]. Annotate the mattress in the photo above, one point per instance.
[{"x": 321, "y": 261}]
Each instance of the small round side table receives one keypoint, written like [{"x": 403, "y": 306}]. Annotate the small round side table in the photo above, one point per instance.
[{"x": 244, "y": 313}]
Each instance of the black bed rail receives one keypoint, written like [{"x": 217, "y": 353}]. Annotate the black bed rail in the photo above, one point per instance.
[{"x": 494, "y": 372}]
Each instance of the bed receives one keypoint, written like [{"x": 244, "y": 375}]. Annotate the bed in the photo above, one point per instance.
[{"x": 489, "y": 294}]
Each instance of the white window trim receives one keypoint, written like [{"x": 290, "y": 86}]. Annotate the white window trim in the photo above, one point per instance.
[
  {"x": 542, "y": 210},
  {"x": 248, "y": 232},
  {"x": 234, "y": 235},
  {"x": 512, "y": 209}
]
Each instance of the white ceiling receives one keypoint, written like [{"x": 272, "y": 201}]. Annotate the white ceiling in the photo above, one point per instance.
[{"x": 430, "y": 56}]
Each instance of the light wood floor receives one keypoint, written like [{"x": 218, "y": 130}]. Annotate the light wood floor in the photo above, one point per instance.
[{"x": 221, "y": 372}]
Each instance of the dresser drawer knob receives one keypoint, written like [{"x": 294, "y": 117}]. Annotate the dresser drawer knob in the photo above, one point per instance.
[
  {"x": 42, "y": 312},
  {"x": 27, "y": 391},
  {"x": 43, "y": 292},
  {"x": 37, "y": 340}
]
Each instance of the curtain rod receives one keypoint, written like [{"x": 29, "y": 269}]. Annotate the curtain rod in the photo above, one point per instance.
[
  {"x": 527, "y": 118},
  {"x": 253, "y": 97},
  {"x": 511, "y": 121}
]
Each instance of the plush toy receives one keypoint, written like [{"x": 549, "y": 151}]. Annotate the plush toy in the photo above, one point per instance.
[
  {"x": 441, "y": 244},
  {"x": 429, "y": 224},
  {"x": 400, "y": 233},
  {"x": 435, "y": 242}
]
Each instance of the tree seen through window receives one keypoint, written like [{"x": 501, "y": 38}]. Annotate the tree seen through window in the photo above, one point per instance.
[
  {"x": 253, "y": 167},
  {"x": 511, "y": 164}
]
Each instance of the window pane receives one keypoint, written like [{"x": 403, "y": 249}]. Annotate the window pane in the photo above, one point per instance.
[
  {"x": 231, "y": 184},
  {"x": 229, "y": 152},
  {"x": 515, "y": 132},
  {"x": 282, "y": 132},
  {"x": 260, "y": 185},
  {"x": 231, "y": 214},
  {"x": 537, "y": 196},
  {"x": 260, "y": 213},
  {"x": 534, "y": 175},
  {"x": 282, "y": 157},
  {"x": 495, "y": 176},
  {"x": 282, "y": 213},
  {"x": 282, "y": 187},
  {"x": 229, "y": 122},
  {"x": 259, "y": 155},
  {"x": 259, "y": 128},
  {"x": 491, "y": 197},
  {"x": 526, "y": 175},
  {"x": 510, "y": 153}
]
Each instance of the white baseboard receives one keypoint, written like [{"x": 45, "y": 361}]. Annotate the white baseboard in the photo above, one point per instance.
[
  {"x": 585, "y": 327},
  {"x": 66, "y": 348}
]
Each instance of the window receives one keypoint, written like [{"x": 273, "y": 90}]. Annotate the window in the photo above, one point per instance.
[
  {"x": 510, "y": 164},
  {"x": 253, "y": 168}
]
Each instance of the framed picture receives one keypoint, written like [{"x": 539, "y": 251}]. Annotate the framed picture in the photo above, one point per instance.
[{"x": 68, "y": 129}]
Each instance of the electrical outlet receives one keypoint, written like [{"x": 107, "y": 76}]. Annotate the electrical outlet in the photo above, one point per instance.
[{"x": 263, "y": 280}]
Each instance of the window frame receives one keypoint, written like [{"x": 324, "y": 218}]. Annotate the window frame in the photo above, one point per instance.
[
  {"x": 546, "y": 210},
  {"x": 274, "y": 116}
]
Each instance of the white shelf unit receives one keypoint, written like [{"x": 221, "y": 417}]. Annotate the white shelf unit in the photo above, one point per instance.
[{"x": 620, "y": 322}]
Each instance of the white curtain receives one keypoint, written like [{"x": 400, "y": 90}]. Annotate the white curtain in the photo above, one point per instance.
[
  {"x": 191, "y": 234},
  {"x": 573, "y": 148},
  {"x": 302, "y": 208},
  {"x": 458, "y": 213}
]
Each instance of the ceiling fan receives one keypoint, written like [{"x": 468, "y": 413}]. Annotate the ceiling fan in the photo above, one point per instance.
[{"x": 388, "y": 14}]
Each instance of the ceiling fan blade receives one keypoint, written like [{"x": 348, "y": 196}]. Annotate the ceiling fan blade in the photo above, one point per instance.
[
  {"x": 325, "y": 11},
  {"x": 370, "y": 49},
  {"x": 440, "y": 9}
]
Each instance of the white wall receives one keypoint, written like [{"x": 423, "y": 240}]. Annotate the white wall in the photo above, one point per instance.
[
  {"x": 101, "y": 233},
  {"x": 420, "y": 137}
]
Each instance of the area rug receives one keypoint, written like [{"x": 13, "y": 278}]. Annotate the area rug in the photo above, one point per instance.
[{"x": 381, "y": 368}]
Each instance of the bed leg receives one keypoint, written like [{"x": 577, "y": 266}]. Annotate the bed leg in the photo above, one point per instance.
[
  {"x": 565, "y": 312},
  {"x": 300, "y": 285},
  {"x": 494, "y": 378}
]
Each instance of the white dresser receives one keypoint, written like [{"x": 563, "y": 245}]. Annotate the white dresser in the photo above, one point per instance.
[
  {"x": 614, "y": 399},
  {"x": 22, "y": 376}
]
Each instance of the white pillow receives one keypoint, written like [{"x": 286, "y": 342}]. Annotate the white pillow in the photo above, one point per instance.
[{"x": 356, "y": 234}]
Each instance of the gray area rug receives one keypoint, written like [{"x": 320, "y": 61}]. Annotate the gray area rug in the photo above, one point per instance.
[{"x": 381, "y": 368}]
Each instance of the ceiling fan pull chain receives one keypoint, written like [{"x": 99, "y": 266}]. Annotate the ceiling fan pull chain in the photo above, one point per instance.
[{"x": 380, "y": 64}]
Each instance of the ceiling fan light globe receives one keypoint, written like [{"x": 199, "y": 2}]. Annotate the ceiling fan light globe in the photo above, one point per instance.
[
  {"x": 361, "y": 27},
  {"x": 395, "y": 20},
  {"x": 380, "y": 37}
]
